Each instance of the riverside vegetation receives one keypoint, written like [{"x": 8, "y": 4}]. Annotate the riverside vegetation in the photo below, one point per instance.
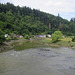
[
  {"x": 29, "y": 22},
  {"x": 23, "y": 44}
]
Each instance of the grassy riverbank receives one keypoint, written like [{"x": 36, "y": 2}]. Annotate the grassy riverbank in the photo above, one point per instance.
[
  {"x": 67, "y": 42},
  {"x": 23, "y": 44},
  {"x": 43, "y": 42}
]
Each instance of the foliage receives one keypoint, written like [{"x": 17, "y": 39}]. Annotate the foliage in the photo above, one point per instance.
[
  {"x": 56, "y": 35},
  {"x": 13, "y": 37},
  {"x": 73, "y": 39},
  {"x": 2, "y": 38},
  {"x": 24, "y": 20},
  {"x": 26, "y": 37},
  {"x": 8, "y": 39},
  {"x": 46, "y": 35}
]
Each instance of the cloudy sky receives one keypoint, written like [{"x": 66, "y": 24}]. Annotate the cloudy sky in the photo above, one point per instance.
[{"x": 66, "y": 8}]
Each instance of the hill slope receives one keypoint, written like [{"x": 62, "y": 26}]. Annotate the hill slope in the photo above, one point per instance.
[{"x": 24, "y": 20}]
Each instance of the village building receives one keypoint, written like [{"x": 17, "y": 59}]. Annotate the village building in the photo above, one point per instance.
[
  {"x": 49, "y": 35},
  {"x": 6, "y": 36},
  {"x": 21, "y": 36},
  {"x": 39, "y": 36}
]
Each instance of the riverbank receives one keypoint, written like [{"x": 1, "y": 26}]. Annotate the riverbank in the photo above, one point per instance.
[
  {"x": 23, "y": 44},
  {"x": 6, "y": 46},
  {"x": 65, "y": 42},
  {"x": 20, "y": 44}
]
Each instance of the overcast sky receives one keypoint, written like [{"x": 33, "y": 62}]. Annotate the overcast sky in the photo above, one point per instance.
[{"x": 66, "y": 8}]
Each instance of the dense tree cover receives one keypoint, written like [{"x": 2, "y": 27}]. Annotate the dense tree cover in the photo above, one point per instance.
[
  {"x": 24, "y": 20},
  {"x": 56, "y": 36},
  {"x": 2, "y": 38}
]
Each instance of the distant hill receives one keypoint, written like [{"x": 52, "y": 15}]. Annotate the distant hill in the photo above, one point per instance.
[{"x": 24, "y": 20}]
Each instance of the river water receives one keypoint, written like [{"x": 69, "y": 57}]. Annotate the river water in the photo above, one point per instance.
[{"x": 38, "y": 61}]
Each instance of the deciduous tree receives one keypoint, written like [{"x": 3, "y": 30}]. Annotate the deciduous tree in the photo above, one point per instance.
[{"x": 56, "y": 36}]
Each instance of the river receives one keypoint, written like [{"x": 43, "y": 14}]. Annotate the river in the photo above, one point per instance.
[{"x": 38, "y": 61}]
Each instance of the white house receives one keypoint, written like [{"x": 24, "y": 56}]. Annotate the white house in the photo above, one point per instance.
[
  {"x": 21, "y": 36},
  {"x": 6, "y": 36},
  {"x": 63, "y": 36},
  {"x": 49, "y": 35},
  {"x": 41, "y": 36}
]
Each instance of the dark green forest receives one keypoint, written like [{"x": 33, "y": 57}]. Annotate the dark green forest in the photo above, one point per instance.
[{"x": 24, "y": 20}]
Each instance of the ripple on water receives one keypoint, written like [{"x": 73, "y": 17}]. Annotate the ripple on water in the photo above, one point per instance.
[{"x": 38, "y": 61}]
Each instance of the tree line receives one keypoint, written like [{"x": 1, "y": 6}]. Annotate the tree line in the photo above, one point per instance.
[{"x": 24, "y": 20}]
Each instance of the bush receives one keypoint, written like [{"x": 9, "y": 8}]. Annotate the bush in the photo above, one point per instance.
[
  {"x": 26, "y": 37},
  {"x": 14, "y": 38},
  {"x": 73, "y": 39},
  {"x": 71, "y": 45},
  {"x": 46, "y": 35},
  {"x": 8, "y": 39},
  {"x": 56, "y": 35}
]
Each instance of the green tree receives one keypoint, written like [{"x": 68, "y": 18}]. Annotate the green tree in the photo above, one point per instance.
[
  {"x": 2, "y": 38},
  {"x": 56, "y": 35},
  {"x": 26, "y": 37},
  {"x": 32, "y": 21}
]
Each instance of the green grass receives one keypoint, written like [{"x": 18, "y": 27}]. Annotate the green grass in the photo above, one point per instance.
[
  {"x": 67, "y": 42},
  {"x": 66, "y": 39},
  {"x": 46, "y": 40}
]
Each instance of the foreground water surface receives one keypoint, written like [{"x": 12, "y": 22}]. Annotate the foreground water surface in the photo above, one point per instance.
[{"x": 38, "y": 61}]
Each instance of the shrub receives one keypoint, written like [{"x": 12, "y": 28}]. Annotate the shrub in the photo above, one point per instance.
[
  {"x": 46, "y": 35},
  {"x": 13, "y": 38},
  {"x": 71, "y": 45},
  {"x": 8, "y": 39},
  {"x": 26, "y": 37},
  {"x": 73, "y": 39}
]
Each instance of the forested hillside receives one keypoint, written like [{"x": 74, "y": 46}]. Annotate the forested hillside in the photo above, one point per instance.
[{"x": 24, "y": 20}]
